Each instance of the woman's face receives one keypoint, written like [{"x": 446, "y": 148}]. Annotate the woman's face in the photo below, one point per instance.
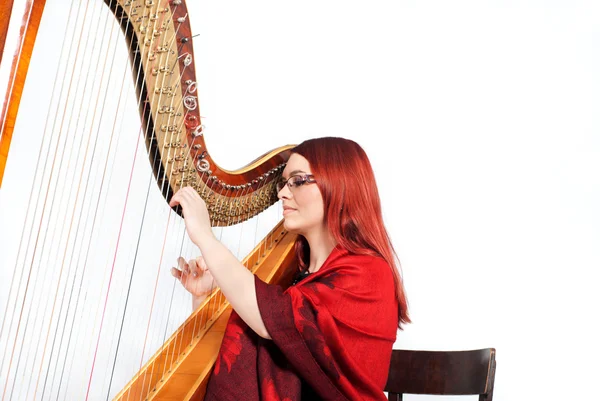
[{"x": 302, "y": 205}]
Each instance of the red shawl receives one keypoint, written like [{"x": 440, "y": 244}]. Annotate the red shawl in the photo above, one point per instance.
[{"x": 332, "y": 337}]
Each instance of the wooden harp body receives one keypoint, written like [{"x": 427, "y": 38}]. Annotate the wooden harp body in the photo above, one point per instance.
[{"x": 39, "y": 338}]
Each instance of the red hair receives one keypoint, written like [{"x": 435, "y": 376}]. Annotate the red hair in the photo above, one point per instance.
[{"x": 347, "y": 183}]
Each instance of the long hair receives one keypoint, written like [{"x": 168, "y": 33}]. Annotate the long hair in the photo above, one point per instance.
[{"x": 352, "y": 206}]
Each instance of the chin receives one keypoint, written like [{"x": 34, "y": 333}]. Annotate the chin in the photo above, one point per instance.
[{"x": 290, "y": 226}]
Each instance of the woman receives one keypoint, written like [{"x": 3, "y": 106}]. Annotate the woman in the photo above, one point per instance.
[{"x": 330, "y": 335}]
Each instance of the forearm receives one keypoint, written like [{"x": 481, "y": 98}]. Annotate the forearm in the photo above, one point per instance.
[{"x": 236, "y": 283}]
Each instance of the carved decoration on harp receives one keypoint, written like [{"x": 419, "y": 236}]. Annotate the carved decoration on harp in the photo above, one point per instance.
[
  {"x": 159, "y": 39},
  {"x": 163, "y": 60}
]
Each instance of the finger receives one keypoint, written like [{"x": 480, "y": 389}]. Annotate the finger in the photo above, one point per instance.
[
  {"x": 191, "y": 195},
  {"x": 197, "y": 198},
  {"x": 176, "y": 273},
  {"x": 184, "y": 278},
  {"x": 181, "y": 199},
  {"x": 201, "y": 263},
  {"x": 174, "y": 199},
  {"x": 178, "y": 197},
  {"x": 190, "y": 190},
  {"x": 181, "y": 263},
  {"x": 194, "y": 268}
]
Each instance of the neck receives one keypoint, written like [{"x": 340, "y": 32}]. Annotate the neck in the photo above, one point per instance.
[{"x": 321, "y": 244}]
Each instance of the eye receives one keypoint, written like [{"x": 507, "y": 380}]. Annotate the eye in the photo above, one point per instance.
[{"x": 297, "y": 180}]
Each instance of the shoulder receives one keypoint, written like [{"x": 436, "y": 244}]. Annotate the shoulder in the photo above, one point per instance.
[
  {"x": 362, "y": 269},
  {"x": 362, "y": 264},
  {"x": 362, "y": 290}
]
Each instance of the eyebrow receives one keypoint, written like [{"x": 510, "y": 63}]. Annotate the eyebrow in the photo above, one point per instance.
[{"x": 295, "y": 172}]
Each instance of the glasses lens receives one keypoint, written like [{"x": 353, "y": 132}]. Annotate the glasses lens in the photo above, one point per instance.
[
  {"x": 294, "y": 182},
  {"x": 297, "y": 180}
]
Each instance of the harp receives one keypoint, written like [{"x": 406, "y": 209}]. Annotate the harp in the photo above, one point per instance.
[{"x": 65, "y": 331}]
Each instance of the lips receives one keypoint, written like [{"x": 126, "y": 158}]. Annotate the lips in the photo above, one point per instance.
[{"x": 287, "y": 210}]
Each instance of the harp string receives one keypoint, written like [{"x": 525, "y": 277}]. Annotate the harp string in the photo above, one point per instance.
[
  {"x": 30, "y": 271},
  {"x": 206, "y": 309},
  {"x": 27, "y": 291},
  {"x": 84, "y": 198},
  {"x": 220, "y": 299},
  {"x": 11, "y": 290},
  {"x": 181, "y": 343},
  {"x": 116, "y": 250},
  {"x": 68, "y": 303},
  {"x": 102, "y": 186},
  {"x": 111, "y": 170},
  {"x": 218, "y": 303},
  {"x": 239, "y": 247},
  {"x": 178, "y": 79},
  {"x": 169, "y": 154},
  {"x": 36, "y": 170},
  {"x": 171, "y": 305},
  {"x": 137, "y": 246},
  {"x": 166, "y": 331},
  {"x": 154, "y": 294},
  {"x": 162, "y": 190}
]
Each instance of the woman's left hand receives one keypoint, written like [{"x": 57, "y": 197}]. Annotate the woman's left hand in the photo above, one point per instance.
[{"x": 195, "y": 214}]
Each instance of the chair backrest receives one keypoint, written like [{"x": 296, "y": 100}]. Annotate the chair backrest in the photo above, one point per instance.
[{"x": 442, "y": 373}]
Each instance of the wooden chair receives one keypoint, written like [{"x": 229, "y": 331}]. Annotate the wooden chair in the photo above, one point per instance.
[{"x": 442, "y": 373}]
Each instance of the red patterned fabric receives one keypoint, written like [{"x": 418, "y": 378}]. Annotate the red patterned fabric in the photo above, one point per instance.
[{"x": 332, "y": 337}]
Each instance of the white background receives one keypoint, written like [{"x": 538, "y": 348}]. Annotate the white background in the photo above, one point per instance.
[{"x": 481, "y": 121}]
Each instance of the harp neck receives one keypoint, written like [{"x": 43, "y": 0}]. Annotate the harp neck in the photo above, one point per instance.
[{"x": 159, "y": 38}]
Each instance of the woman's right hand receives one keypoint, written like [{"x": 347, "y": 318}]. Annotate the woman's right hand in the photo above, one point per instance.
[{"x": 195, "y": 278}]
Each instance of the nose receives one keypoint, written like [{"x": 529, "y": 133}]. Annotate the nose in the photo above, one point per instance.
[{"x": 284, "y": 193}]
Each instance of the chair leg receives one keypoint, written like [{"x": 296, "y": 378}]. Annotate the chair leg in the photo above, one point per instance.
[{"x": 486, "y": 397}]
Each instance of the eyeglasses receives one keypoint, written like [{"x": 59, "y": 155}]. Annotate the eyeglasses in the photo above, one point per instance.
[{"x": 295, "y": 181}]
